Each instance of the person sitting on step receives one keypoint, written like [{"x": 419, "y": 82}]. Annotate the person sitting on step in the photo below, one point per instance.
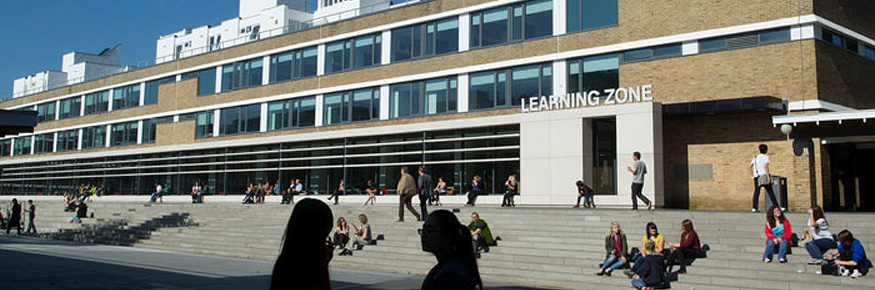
[
  {"x": 341, "y": 233},
  {"x": 651, "y": 233},
  {"x": 689, "y": 247},
  {"x": 778, "y": 233},
  {"x": 616, "y": 248},
  {"x": 851, "y": 255},
  {"x": 480, "y": 233},
  {"x": 818, "y": 233},
  {"x": 652, "y": 273},
  {"x": 361, "y": 238}
]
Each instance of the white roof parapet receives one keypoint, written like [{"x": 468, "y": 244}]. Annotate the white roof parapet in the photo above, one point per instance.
[{"x": 862, "y": 115}]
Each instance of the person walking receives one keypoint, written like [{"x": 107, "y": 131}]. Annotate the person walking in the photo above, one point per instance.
[
  {"x": 759, "y": 166},
  {"x": 406, "y": 189},
  {"x": 31, "y": 214},
  {"x": 425, "y": 184},
  {"x": 638, "y": 170},
  {"x": 156, "y": 194},
  {"x": 14, "y": 217}
]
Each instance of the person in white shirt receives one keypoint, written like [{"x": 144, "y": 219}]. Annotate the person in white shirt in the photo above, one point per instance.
[
  {"x": 157, "y": 193},
  {"x": 761, "y": 178}
]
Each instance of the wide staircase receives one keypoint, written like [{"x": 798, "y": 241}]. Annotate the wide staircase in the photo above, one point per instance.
[{"x": 542, "y": 247}]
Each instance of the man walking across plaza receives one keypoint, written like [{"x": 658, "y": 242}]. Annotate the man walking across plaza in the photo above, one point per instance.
[
  {"x": 425, "y": 184},
  {"x": 638, "y": 170},
  {"x": 406, "y": 189},
  {"x": 759, "y": 165},
  {"x": 31, "y": 214}
]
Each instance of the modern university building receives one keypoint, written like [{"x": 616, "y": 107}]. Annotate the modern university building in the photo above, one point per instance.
[{"x": 550, "y": 91}]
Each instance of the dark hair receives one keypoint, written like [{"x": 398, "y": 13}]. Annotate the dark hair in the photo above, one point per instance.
[
  {"x": 764, "y": 148},
  {"x": 817, "y": 213},
  {"x": 650, "y": 225},
  {"x": 363, "y": 218},
  {"x": 687, "y": 226},
  {"x": 579, "y": 183},
  {"x": 303, "y": 261},
  {"x": 404, "y": 169},
  {"x": 460, "y": 236},
  {"x": 770, "y": 216},
  {"x": 422, "y": 168},
  {"x": 637, "y": 154},
  {"x": 340, "y": 219},
  {"x": 845, "y": 238}
]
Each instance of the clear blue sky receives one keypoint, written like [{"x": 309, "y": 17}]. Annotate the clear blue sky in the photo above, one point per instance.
[{"x": 38, "y": 32}]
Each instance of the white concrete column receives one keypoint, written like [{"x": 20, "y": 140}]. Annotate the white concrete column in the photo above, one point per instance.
[
  {"x": 79, "y": 141},
  {"x": 57, "y": 109},
  {"x": 142, "y": 94},
  {"x": 109, "y": 106},
  {"x": 216, "y": 119},
  {"x": 640, "y": 130},
  {"x": 32, "y": 143},
  {"x": 263, "y": 120},
  {"x": 107, "y": 142},
  {"x": 465, "y": 32},
  {"x": 82, "y": 105},
  {"x": 55, "y": 142},
  {"x": 320, "y": 61},
  {"x": 218, "y": 79},
  {"x": 384, "y": 102},
  {"x": 386, "y": 48},
  {"x": 559, "y": 17},
  {"x": 11, "y": 147},
  {"x": 178, "y": 78},
  {"x": 690, "y": 47},
  {"x": 560, "y": 79},
  {"x": 320, "y": 106},
  {"x": 801, "y": 32},
  {"x": 265, "y": 70},
  {"x": 462, "y": 93},
  {"x": 175, "y": 118},
  {"x": 140, "y": 132}
]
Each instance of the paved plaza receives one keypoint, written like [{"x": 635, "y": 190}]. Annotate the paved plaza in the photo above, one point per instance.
[{"x": 32, "y": 263}]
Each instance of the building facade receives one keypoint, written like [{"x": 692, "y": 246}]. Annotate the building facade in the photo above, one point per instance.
[{"x": 550, "y": 91}]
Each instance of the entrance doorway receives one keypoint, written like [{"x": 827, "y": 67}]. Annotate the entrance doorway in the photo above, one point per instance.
[
  {"x": 604, "y": 148},
  {"x": 852, "y": 188}
]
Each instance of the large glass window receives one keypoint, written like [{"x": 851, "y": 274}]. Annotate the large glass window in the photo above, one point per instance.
[
  {"x": 426, "y": 39},
  {"x": 151, "y": 94},
  {"x": 22, "y": 146},
  {"x": 67, "y": 140},
  {"x": 288, "y": 113},
  {"x": 43, "y": 143},
  {"x": 96, "y": 102},
  {"x": 206, "y": 80},
  {"x": 124, "y": 134},
  {"x": 126, "y": 97},
  {"x": 344, "y": 107},
  {"x": 651, "y": 53},
  {"x": 5, "y": 147},
  {"x": 593, "y": 73},
  {"x": 244, "y": 119},
  {"x": 521, "y": 21},
  {"x": 605, "y": 155},
  {"x": 242, "y": 74},
  {"x": 45, "y": 112},
  {"x": 69, "y": 107},
  {"x": 591, "y": 14},
  {"x": 94, "y": 137},
  {"x": 149, "y": 128},
  {"x": 359, "y": 52},
  {"x": 493, "y": 89},
  {"x": 429, "y": 97},
  {"x": 203, "y": 124},
  {"x": 293, "y": 64}
]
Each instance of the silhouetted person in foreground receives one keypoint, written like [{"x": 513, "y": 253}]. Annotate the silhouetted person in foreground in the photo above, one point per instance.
[
  {"x": 450, "y": 242},
  {"x": 14, "y": 217},
  {"x": 303, "y": 261}
]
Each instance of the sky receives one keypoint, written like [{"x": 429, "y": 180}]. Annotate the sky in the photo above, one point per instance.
[{"x": 37, "y": 33}]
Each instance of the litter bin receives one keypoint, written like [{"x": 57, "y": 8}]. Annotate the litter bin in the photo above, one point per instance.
[{"x": 779, "y": 187}]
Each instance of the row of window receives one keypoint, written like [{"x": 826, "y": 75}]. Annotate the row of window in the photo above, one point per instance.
[
  {"x": 92, "y": 137},
  {"x": 847, "y": 43},
  {"x": 98, "y": 102}
]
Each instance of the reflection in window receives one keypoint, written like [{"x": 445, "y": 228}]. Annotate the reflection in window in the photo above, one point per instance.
[
  {"x": 493, "y": 88},
  {"x": 206, "y": 80},
  {"x": 43, "y": 143},
  {"x": 69, "y": 108},
  {"x": 203, "y": 126},
  {"x": 151, "y": 93},
  {"x": 293, "y": 64},
  {"x": 352, "y": 106},
  {"x": 124, "y": 134},
  {"x": 359, "y": 52},
  {"x": 591, "y": 14},
  {"x": 245, "y": 119},
  {"x": 94, "y": 137},
  {"x": 45, "y": 112},
  {"x": 517, "y": 22},
  {"x": 96, "y": 102},
  {"x": 294, "y": 113},
  {"x": 435, "y": 96},
  {"x": 593, "y": 73},
  {"x": 242, "y": 74},
  {"x": 67, "y": 140},
  {"x": 426, "y": 39},
  {"x": 126, "y": 97},
  {"x": 21, "y": 146}
]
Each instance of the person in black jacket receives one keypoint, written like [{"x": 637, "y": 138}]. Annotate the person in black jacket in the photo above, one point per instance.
[
  {"x": 306, "y": 251},
  {"x": 653, "y": 274},
  {"x": 450, "y": 242},
  {"x": 15, "y": 217}
]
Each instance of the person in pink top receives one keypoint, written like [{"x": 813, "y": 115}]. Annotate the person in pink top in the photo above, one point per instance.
[{"x": 778, "y": 233}]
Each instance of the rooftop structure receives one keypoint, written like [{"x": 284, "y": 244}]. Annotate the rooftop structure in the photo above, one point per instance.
[{"x": 76, "y": 67}]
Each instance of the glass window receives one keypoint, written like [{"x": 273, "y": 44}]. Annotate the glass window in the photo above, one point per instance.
[
  {"x": 493, "y": 89},
  {"x": 712, "y": 44},
  {"x": 43, "y": 143},
  {"x": 45, "y": 112},
  {"x": 126, "y": 97},
  {"x": 96, "y": 102},
  {"x": 593, "y": 73},
  {"x": 22, "y": 146},
  {"x": 539, "y": 18},
  {"x": 440, "y": 96},
  {"x": 354, "y": 106},
  {"x": 206, "y": 82},
  {"x": 245, "y": 119},
  {"x": 242, "y": 74},
  {"x": 67, "y": 140},
  {"x": 279, "y": 115},
  {"x": 482, "y": 92},
  {"x": 495, "y": 26},
  {"x": 401, "y": 102},
  {"x": 347, "y": 54},
  {"x": 426, "y": 39},
  {"x": 525, "y": 83},
  {"x": 307, "y": 117},
  {"x": 69, "y": 108},
  {"x": 5, "y": 147},
  {"x": 151, "y": 93},
  {"x": 204, "y": 124},
  {"x": 869, "y": 52},
  {"x": 334, "y": 57},
  {"x": 777, "y": 35},
  {"x": 527, "y": 20},
  {"x": 124, "y": 134},
  {"x": 293, "y": 64},
  {"x": 149, "y": 128},
  {"x": 591, "y": 14},
  {"x": 335, "y": 111},
  {"x": 667, "y": 51},
  {"x": 94, "y": 137},
  {"x": 365, "y": 105}
]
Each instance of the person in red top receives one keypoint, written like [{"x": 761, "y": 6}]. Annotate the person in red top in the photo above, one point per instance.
[
  {"x": 687, "y": 248},
  {"x": 778, "y": 233}
]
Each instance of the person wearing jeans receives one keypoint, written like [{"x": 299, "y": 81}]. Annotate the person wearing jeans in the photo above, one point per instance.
[
  {"x": 778, "y": 233},
  {"x": 616, "y": 249},
  {"x": 821, "y": 237}
]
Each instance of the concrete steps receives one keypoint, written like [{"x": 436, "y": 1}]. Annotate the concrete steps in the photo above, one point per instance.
[{"x": 545, "y": 247}]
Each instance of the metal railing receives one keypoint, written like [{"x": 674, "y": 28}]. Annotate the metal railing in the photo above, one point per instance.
[{"x": 262, "y": 35}]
